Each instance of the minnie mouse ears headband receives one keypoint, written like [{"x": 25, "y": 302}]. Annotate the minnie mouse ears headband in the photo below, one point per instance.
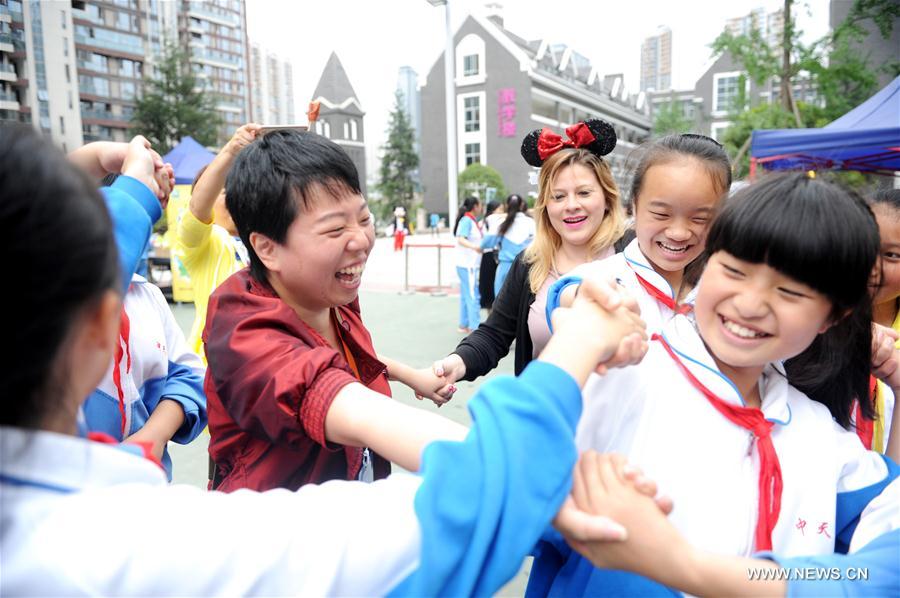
[{"x": 594, "y": 135}]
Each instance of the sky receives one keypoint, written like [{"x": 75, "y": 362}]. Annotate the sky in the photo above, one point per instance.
[{"x": 374, "y": 38}]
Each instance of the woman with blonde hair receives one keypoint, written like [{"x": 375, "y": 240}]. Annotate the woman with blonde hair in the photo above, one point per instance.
[{"x": 578, "y": 217}]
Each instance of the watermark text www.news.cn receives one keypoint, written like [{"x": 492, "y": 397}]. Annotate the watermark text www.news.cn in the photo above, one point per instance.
[{"x": 808, "y": 573}]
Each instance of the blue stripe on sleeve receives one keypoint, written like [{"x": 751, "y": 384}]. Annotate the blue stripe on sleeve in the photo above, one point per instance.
[
  {"x": 554, "y": 293},
  {"x": 484, "y": 502}
]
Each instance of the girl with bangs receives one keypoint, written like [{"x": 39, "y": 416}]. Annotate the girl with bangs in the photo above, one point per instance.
[
  {"x": 741, "y": 412},
  {"x": 577, "y": 217}
]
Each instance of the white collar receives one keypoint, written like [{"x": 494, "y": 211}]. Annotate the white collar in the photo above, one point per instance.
[
  {"x": 69, "y": 463},
  {"x": 682, "y": 336},
  {"x": 639, "y": 264}
]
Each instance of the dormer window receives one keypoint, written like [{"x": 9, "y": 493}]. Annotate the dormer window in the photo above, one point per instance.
[
  {"x": 470, "y": 61},
  {"x": 470, "y": 65}
]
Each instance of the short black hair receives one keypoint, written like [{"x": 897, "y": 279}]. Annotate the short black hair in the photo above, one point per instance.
[
  {"x": 59, "y": 249},
  {"x": 274, "y": 174},
  {"x": 826, "y": 237}
]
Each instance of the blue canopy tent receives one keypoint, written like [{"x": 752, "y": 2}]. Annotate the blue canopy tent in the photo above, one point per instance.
[
  {"x": 187, "y": 158},
  {"x": 866, "y": 139}
]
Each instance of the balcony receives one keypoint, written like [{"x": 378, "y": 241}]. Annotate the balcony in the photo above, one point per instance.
[
  {"x": 99, "y": 114},
  {"x": 218, "y": 59},
  {"x": 8, "y": 73},
  {"x": 227, "y": 19},
  {"x": 128, "y": 47},
  {"x": 8, "y": 101}
]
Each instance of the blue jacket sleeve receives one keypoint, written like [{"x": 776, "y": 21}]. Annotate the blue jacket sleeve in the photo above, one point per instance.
[
  {"x": 873, "y": 570},
  {"x": 185, "y": 386},
  {"x": 133, "y": 209},
  {"x": 484, "y": 502}
]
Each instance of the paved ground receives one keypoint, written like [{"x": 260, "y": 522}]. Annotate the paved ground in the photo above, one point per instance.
[{"x": 414, "y": 328}]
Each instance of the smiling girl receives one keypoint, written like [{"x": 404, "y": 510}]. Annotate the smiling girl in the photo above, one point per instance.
[
  {"x": 755, "y": 454},
  {"x": 676, "y": 189}
]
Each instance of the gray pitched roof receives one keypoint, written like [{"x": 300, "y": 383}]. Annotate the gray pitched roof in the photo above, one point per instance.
[{"x": 334, "y": 85}]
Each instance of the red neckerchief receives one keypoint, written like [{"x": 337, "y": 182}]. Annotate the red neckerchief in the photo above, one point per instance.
[
  {"x": 124, "y": 334},
  {"x": 865, "y": 427},
  {"x": 475, "y": 220},
  {"x": 749, "y": 418},
  {"x": 660, "y": 296}
]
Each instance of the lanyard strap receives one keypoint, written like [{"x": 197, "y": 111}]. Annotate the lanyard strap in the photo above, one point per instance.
[
  {"x": 770, "y": 482},
  {"x": 662, "y": 297},
  {"x": 351, "y": 361}
]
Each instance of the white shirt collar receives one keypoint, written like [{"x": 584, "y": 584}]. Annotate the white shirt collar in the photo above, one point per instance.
[
  {"x": 682, "y": 335},
  {"x": 69, "y": 463}
]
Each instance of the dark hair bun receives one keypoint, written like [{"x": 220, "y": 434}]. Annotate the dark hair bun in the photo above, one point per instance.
[
  {"x": 530, "y": 149},
  {"x": 604, "y": 134}
]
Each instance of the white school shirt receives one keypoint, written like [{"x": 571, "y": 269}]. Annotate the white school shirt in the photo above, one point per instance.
[
  {"x": 622, "y": 267},
  {"x": 470, "y": 230},
  {"x": 654, "y": 416}
]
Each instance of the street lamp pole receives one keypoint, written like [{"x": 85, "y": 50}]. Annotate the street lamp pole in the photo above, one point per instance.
[{"x": 450, "y": 101}]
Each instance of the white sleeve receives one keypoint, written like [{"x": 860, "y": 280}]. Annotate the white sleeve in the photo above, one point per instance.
[
  {"x": 339, "y": 538},
  {"x": 880, "y": 516}
]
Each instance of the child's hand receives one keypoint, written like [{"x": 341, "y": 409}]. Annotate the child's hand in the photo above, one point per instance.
[
  {"x": 583, "y": 526},
  {"x": 144, "y": 164},
  {"x": 243, "y": 137},
  {"x": 146, "y": 436},
  {"x": 605, "y": 321},
  {"x": 885, "y": 355},
  {"x": 111, "y": 156},
  {"x": 602, "y": 488}
]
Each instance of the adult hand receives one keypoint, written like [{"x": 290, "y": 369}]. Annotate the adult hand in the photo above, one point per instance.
[
  {"x": 428, "y": 385},
  {"x": 451, "y": 369}
]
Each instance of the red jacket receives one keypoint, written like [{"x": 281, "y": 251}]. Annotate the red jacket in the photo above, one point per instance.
[{"x": 270, "y": 381}]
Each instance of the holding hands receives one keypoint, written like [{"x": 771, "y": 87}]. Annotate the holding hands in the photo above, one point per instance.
[{"x": 602, "y": 329}]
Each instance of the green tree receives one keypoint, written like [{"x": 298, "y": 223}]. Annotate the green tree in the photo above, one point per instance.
[
  {"x": 477, "y": 178},
  {"x": 397, "y": 184},
  {"x": 670, "y": 118},
  {"x": 173, "y": 105},
  {"x": 841, "y": 76}
]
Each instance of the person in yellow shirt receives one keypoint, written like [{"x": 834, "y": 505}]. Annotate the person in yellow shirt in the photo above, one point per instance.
[{"x": 207, "y": 241}]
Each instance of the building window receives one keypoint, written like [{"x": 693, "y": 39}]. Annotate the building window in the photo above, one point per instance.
[
  {"x": 726, "y": 89},
  {"x": 354, "y": 131},
  {"x": 717, "y": 131},
  {"x": 470, "y": 65},
  {"x": 473, "y": 153},
  {"x": 346, "y": 130},
  {"x": 62, "y": 126},
  {"x": 470, "y": 60},
  {"x": 472, "y": 114}
]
